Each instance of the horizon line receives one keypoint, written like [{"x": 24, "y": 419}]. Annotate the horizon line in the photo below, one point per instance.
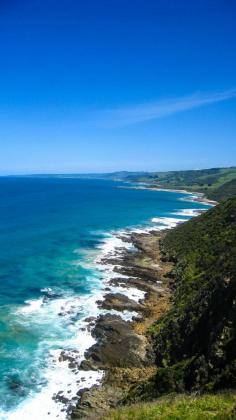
[{"x": 32, "y": 174}]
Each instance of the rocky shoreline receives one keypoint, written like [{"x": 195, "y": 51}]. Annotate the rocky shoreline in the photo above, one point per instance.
[{"x": 123, "y": 348}]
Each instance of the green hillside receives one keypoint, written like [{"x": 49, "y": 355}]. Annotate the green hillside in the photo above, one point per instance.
[
  {"x": 204, "y": 178},
  {"x": 195, "y": 342},
  {"x": 226, "y": 190},
  {"x": 220, "y": 406}
]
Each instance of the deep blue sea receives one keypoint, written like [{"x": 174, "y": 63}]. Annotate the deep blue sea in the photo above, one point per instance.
[{"x": 51, "y": 230}]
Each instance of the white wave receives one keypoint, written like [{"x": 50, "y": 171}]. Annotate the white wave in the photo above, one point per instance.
[
  {"x": 125, "y": 315},
  {"x": 60, "y": 379},
  {"x": 59, "y": 376},
  {"x": 32, "y": 305},
  {"x": 192, "y": 198},
  {"x": 114, "y": 244},
  {"x": 167, "y": 222},
  {"x": 46, "y": 289},
  {"x": 189, "y": 212},
  {"x": 131, "y": 292}
]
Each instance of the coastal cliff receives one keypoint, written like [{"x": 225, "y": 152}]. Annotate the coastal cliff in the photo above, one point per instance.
[
  {"x": 195, "y": 342},
  {"x": 184, "y": 338}
]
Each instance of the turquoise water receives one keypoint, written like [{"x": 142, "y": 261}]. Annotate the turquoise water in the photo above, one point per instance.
[{"x": 50, "y": 230}]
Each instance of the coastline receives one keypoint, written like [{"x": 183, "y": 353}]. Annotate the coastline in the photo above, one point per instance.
[{"x": 123, "y": 349}]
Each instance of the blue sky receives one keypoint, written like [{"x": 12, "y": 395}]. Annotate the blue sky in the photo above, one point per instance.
[{"x": 89, "y": 86}]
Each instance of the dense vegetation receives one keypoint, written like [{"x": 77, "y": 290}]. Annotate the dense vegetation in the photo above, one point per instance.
[
  {"x": 226, "y": 190},
  {"x": 195, "y": 342},
  {"x": 219, "y": 406}
]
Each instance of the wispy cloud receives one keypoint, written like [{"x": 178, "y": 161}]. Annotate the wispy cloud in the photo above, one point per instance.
[{"x": 127, "y": 115}]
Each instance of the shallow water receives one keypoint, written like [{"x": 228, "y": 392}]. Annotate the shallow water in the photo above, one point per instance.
[{"x": 52, "y": 232}]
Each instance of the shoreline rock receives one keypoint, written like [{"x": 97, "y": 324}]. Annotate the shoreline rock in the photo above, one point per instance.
[
  {"x": 118, "y": 345},
  {"x": 120, "y": 302},
  {"x": 123, "y": 348}
]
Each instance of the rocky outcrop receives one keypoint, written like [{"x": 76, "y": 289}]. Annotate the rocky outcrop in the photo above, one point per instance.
[
  {"x": 95, "y": 401},
  {"x": 120, "y": 302},
  {"x": 118, "y": 345}
]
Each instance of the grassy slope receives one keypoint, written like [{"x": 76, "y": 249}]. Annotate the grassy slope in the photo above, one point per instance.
[
  {"x": 195, "y": 342},
  {"x": 224, "y": 191},
  {"x": 221, "y": 406},
  {"x": 203, "y": 178}
]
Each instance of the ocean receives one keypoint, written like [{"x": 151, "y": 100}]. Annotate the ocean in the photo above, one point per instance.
[{"x": 53, "y": 234}]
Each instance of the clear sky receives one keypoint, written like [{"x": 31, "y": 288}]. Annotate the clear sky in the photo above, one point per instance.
[{"x": 103, "y": 85}]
